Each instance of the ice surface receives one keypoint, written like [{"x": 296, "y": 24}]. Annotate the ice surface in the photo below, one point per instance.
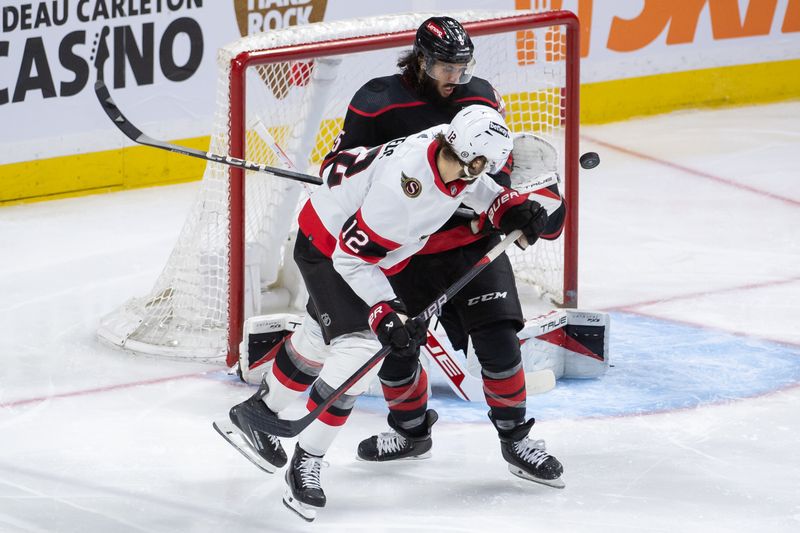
[{"x": 689, "y": 237}]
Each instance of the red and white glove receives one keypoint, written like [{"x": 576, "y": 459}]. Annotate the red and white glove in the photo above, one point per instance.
[{"x": 511, "y": 211}]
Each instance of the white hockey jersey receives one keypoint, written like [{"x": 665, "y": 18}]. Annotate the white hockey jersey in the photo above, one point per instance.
[{"x": 378, "y": 206}]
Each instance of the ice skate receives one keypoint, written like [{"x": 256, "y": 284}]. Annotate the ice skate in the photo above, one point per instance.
[
  {"x": 528, "y": 459},
  {"x": 398, "y": 444},
  {"x": 304, "y": 494},
  {"x": 262, "y": 449}
]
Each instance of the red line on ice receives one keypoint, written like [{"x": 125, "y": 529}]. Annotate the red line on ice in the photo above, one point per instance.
[
  {"x": 688, "y": 170},
  {"x": 106, "y": 388}
]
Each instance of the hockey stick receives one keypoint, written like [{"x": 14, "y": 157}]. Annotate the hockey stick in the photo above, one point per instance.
[
  {"x": 270, "y": 141},
  {"x": 136, "y": 135},
  {"x": 291, "y": 428}
]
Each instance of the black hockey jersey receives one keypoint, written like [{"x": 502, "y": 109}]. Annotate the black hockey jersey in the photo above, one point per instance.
[{"x": 388, "y": 108}]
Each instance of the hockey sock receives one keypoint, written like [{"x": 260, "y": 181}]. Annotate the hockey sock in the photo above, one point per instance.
[
  {"x": 408, "y": 401},
  {"x": 291, "y": 375},
  {"x": 317, "y": 438},
  {"x": 497, "y": 349},
  {"x": 505, "y": 394}
]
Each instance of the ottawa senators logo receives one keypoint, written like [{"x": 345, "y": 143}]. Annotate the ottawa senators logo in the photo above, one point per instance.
[{"x": 411, "y": 186}]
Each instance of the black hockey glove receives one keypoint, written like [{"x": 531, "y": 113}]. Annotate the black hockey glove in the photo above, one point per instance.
[
  {"x": 511, "y": 211},
  {"x": 390, "y": 323}
]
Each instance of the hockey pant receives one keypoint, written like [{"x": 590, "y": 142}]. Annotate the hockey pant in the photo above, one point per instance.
[{"x": 304, "y": 361}]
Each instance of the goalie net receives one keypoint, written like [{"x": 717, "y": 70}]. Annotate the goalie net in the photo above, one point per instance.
[{"x": 233, "y": 256}]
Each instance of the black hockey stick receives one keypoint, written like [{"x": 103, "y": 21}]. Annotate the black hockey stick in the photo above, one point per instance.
[
  {"x": 291, "y": 428},
  {"x": 136, "y": 135}
]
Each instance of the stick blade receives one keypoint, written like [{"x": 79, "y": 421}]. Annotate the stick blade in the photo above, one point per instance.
[
  {"x": 280, "y": 427},
  {"x": 113, "y": 112}
]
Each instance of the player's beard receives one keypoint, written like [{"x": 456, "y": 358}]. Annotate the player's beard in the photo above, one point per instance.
[{"x": 430, "y": 93}]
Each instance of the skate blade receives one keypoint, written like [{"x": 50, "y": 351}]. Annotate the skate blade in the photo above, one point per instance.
[
  {"x": 426, "y": 455},
  {"x": 304, "y": 511},
  {"x": 235, "y": 438},
  {"x": 556, "y": 483}
]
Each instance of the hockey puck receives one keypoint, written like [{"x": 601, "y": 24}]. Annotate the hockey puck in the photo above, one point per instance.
[{"x": 590, "y": 160}]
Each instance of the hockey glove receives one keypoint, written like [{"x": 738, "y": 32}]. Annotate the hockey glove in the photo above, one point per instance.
[
  {"x": 511, "y": 211},
  {"x": 393, "y": 328}
]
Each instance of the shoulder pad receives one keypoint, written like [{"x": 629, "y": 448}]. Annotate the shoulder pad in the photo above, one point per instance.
[
  {"x": 378, "y": 94},
  {"x": 376, "y": 85},
  {"x": 479, "y": 91}
]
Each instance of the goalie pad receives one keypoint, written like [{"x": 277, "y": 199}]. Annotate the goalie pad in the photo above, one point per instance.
[
  {"x": 535, "y": 171},
  {"x": 535, "y": 163},
  {"x": 571, "y": 343},
  {"x": 263, "y": 336}
]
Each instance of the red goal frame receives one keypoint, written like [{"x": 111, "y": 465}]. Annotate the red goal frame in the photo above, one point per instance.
[{"x": 237, "y": 94}]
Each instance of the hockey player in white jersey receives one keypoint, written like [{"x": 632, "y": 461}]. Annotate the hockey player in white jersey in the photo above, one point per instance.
[{"x": 376, "y": 208}]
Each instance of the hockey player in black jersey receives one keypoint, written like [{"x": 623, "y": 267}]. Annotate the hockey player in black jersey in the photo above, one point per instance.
[{"x": 435, "y": 82}]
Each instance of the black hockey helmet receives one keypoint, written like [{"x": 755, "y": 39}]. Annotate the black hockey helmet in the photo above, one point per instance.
[{"x": 445, "y": 39}]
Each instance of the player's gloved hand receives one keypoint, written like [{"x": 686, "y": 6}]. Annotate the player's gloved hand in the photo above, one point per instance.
[
  {"x": 391, "y": 325},
  {"x": 511, "y": 211}
]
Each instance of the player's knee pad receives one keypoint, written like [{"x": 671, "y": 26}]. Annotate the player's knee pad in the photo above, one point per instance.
[
  {"x": 454, "y": 327},
  {"x": 396, "y": 368},
  {"x": 347, "y": 354},
  {"x": 308, "y": 342},
  {"x": 497, "y": 346}
]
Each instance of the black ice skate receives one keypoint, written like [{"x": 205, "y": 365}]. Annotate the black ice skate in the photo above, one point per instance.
[
  {"x": 304, "y": 494},
  {"x": 262, "y": 449},
  {"x": 398, "y": 444},
  {"x": 528, "y": 459}
]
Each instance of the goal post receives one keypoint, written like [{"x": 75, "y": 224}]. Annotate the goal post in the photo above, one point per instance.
[{"x": 233, "y": 257}]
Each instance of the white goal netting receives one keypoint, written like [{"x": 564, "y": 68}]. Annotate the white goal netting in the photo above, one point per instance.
[{"x": 299, "y": 104}]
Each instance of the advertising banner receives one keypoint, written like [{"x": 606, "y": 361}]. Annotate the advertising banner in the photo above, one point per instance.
[{"x": 158, "y": 58}]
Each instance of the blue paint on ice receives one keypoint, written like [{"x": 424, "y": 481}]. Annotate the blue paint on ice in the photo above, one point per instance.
[{"x": 658, "y": 365}]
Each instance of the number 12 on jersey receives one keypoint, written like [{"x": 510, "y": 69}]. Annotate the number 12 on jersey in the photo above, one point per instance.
[{"x": 354, "y": 238}]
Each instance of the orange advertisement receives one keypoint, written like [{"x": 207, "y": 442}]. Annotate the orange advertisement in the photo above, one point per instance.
[{"x": 655, "y": 26}]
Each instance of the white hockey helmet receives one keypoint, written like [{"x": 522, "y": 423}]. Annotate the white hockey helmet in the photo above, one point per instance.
[{"x": 479, "y": 130}]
